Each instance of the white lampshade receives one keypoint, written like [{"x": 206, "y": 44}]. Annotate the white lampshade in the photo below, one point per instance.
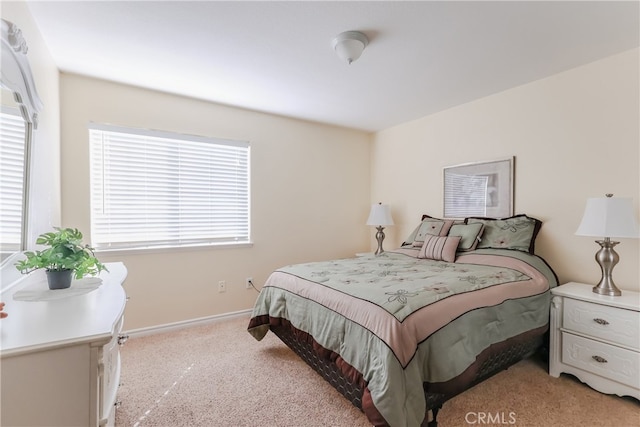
[
  {"x": 380, "y": 215},
  {"x": 349, "y": 45},
  {"x": 608, "y": 217}
]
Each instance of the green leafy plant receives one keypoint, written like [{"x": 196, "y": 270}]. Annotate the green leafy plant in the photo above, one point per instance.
[{"x": 65, "y": 252}]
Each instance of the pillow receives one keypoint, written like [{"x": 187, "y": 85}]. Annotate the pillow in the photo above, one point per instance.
[
  {"x": 431, "y": 227},
  {"x": 517, "y": 232},
  {"x": 469, "y": 233},
  {"x": 439, "y": 248},
  {"x": 428, "y": 226}
]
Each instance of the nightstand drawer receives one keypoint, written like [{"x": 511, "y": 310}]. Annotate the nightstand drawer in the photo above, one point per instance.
[
  {"x": 601, "y": 321},
  {"x": 608, "y": 361}
]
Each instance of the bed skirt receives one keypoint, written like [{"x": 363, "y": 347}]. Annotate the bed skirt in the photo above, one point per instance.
[{"x": 351, "y": 385}]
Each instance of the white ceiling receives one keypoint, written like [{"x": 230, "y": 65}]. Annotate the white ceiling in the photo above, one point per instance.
[{"x": 277, "y": 57}]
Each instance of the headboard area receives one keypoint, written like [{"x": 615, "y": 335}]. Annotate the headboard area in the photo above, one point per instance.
[{"x": 517, "y": 232}]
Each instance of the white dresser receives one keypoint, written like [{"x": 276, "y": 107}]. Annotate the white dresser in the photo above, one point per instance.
[
  {"x": 60, "y": 354},
  {"x": 596, "y": 338}
]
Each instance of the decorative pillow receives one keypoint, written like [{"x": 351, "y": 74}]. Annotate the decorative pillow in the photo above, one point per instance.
[
  {"x": 517, "y": 232},
  {"x": 431, "y": 227},
  {"x": 439, "y": 248},
  {"x": 469, "y": 233},
  {"x": 428, "y": 226}
]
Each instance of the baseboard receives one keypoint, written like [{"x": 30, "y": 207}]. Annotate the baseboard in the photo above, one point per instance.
[{"x": 152, "y": 330}]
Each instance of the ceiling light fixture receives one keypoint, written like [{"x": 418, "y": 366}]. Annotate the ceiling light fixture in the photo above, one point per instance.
[{"x": 349, "y": 45}]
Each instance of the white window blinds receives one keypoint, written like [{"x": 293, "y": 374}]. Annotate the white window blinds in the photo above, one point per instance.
[
  {"x": 12, "y": 167},
  {"x": 155, "y": 189}
]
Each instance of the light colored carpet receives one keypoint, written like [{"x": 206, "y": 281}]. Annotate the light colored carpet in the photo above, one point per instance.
[{"x": 218, "y": 375}]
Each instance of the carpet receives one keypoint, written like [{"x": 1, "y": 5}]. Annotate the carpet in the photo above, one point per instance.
[{"x": 218, "y": 375}]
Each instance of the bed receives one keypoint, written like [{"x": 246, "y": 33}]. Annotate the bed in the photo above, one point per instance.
[{"x": 400, "y": 333}]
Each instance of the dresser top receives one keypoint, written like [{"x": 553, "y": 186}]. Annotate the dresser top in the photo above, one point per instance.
[
  {"x": 41, "y": 319},
  {"x": 629, "y": 300}
]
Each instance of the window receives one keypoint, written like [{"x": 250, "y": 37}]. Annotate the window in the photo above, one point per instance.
[
  {"x": 154, "y": 189},
  {"x": 12, "y": 169}
]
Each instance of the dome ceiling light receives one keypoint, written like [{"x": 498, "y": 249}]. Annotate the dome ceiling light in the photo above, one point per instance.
[{"x": 349, "y": 45}]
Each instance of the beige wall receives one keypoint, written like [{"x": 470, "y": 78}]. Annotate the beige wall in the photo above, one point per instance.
[
  {"x": 310, "y": 196},
  {"x": 575, "y": 135}
]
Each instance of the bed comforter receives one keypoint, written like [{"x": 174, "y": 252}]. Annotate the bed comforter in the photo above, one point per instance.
[{"x": 400, "y": 321}]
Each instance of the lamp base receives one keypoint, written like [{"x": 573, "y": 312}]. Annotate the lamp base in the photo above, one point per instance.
[
  {"x": 607, "y": 258},
  {"x": 603, "y": 290},
  {"x": 379, "y": 238}
]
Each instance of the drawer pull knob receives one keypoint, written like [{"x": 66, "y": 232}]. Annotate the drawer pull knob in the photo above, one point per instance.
[
  {"x": 122, "y": 339},
  {"x": 600, "y": 321},
  {"x": 599, "y": 359}
]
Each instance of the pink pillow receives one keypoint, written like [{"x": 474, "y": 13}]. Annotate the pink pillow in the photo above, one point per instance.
[{"x": 439, "y": 248}]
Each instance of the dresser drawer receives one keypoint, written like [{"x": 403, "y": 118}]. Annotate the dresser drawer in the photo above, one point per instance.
[
  {"x": 606, "y": 360},
  {"x": 110, "y": 377},
  {"x": 601, "y": 321}
]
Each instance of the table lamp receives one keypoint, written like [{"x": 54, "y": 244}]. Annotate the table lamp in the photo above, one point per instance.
[
  {"x": 608, "y": 217},
  {"x": 380, "y": 216}
]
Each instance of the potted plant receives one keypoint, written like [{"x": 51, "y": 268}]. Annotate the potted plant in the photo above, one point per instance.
[{"x": 66, "y": 257}]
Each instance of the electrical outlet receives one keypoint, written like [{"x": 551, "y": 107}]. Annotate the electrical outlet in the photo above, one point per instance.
[
  {"x": 222, "y": 286},
  {"x": 248, "y": 282}
]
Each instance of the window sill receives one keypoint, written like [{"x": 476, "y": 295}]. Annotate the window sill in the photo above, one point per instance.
[{"x": 173, "y": 249}]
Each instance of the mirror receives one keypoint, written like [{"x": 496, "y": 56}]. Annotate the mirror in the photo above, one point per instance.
[
  {"x": 20, "y": 107},
  {"x": 12, "y": 170}
]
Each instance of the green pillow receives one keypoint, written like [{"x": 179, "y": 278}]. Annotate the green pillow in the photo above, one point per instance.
[
  {"x": 469, "y": 233},
  {"x": 517, "y": 232}
]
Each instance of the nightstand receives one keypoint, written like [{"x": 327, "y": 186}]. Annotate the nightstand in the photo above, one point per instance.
[{"x": 596, "y": 338}]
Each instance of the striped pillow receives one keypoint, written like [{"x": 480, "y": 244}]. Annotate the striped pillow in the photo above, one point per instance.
[{"x": 439, "y": 248}]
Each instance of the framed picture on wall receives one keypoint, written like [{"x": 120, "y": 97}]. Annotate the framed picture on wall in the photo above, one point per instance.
[{"x": 479, "y": 189}]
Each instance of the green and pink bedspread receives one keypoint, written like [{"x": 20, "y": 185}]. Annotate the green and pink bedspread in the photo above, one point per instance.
[{"x": 401, "y": 321}]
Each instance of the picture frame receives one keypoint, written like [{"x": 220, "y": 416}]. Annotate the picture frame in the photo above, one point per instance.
[{"x": 481, "y": 189}]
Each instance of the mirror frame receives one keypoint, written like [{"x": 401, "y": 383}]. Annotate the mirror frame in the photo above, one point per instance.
[{"x": 16, "y": 76}]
